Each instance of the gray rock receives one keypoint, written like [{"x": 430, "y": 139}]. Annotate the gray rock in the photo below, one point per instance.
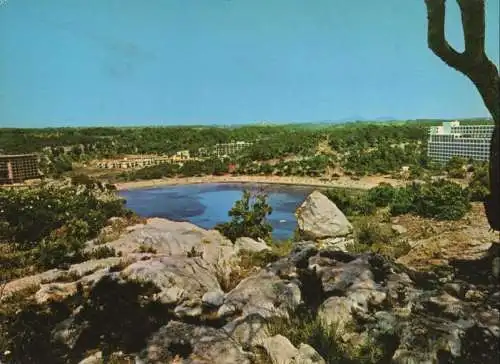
[
  {"x": 213, "y": 298},
  {"x": 174, "y": 239},
  {"x": 90, "y": 266},
  {"x": 248, "y": 330},
  {"x": 249, "y": 244},
  {"x": 340, "y": 243},
  {"x": 31, "y": 281},
  {"x": 337, "y": 311},
  {"x": 455, "y": 289},
  {"x": 68, "y": 332},
  {"x": 264, "y": 293},
  {"x": 281, "y": 351},
  {"x": 319, "y": 218},
  {"x": 55, "y": 292},
  {"x": 181, "y": 280},
  {"x": 197, "y": 344},
  {"x": 307, "y": 355},
  {"x": 399, "y": 229}
]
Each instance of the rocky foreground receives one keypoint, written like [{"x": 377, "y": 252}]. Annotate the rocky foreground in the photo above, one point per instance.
[{"x": 176, "y": 293}]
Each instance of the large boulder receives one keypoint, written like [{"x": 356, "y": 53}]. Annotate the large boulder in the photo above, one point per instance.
[
  {"x": 265, "y": 294},
  {"x": 248, "y": 244},
  {"x": 182, "y": 282},
  {"x": 319, "y": 218},
  {"x": 165, "y": 237}
]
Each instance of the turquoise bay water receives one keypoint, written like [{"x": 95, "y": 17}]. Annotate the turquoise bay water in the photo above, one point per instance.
[{"x": 208, "y": 204}]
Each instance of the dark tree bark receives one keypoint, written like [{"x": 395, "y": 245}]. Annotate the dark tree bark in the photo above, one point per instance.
[{"x": 473, "y": 63}]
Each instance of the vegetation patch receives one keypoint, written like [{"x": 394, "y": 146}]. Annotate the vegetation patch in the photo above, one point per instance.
[
  {"x": 248, "y": 218},
  {"x": 300, "y": 326}
]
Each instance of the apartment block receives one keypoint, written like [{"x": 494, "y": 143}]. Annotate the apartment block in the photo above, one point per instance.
[
  {"x": 228, "y": 149},
  {"x": 452, "y": 139},
  {"x": 18, "y": 168}
]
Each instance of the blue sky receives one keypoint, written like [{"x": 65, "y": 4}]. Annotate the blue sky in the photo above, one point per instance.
[{"x": 131, "y": 62}]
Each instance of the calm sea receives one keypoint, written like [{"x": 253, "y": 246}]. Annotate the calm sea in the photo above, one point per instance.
[{"x": 208, "y": 204}]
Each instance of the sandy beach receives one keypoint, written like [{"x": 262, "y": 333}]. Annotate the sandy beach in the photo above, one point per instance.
[{"x": 342, "y": 182}]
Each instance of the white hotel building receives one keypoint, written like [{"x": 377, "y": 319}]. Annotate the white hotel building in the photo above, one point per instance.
[{"x": 452, "y": 139}]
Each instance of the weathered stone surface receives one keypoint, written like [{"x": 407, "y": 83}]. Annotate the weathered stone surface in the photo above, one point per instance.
[
  {"x": 339, "y": 243},
  {"x": 248, "y": 330},
  {"x": 172, "y": 238},
  {"x": 367, "y": 292},
  {"x": 264, "y": 293},
  {"x": 68, "y": 332},
  {"x": 281, "y": 351},
  {"x": 307, "y": 355},
  {"x": 213, "y": 298},
  {"x": 319, "y": 218},
  {"x": 181, "y": 280},
  {"x": 399, "y": 229},
  {"x": 337, "y": 311},
  {"x": 90, "y": 266},
  {"x": 195, "y": 344},
  {"x": 250, "y": 245},
  {"x": 31, "y": 281},
  {"x": 55, "y": 292}
]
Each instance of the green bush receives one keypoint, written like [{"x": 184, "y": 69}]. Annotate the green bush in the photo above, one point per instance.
[
  {"x": 248, "y": 218},
  {"x": 441, "y": 199},
  {"x": 371, "y": 232},
  {"x": 52, "y": 223},
  {"x": 479, "y": 184},
  {"x": 31, "y": 215},
  {"x": 350, "y": 203},
  {"x": 382, "y": 195},
  {"x": 303, "y": 327},
  {"x": 402, "y": 202}
]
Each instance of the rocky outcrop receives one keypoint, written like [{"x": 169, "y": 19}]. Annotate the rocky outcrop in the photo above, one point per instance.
[
  {"x": 319, "y": 219},
  {"x": 166, "y": 303},
  {"x": 281, "y": 351},
  {"x": 194, "y": 345},
  {"x": 265, "y": 294}
]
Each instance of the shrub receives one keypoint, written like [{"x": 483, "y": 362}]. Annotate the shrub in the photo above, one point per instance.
[
  {"x": 249, "y": 259},
  {"x": 370, "y": 232},
  {"x": 52, "y": 223},
  {"x": 52, "y": 254},
  {"x": 31, "y": 215},
  {"x": 443, "y": 200},
  {"x": 302, "y": 327},
  {"x": 350, "y": 203},
  {"x": 143, "y": 248},
  {"x": 193, "y": 253},
  {"x": 382, "y": 195},
  {"x": 479, "y": 185},
  {"x": 248, "y": 218},
  {"x": 402, "y": 202},
  {"x": 102, "y": 252}
]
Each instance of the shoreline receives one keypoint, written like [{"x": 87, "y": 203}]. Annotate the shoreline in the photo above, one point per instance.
[{"x": 363, "y": 183}]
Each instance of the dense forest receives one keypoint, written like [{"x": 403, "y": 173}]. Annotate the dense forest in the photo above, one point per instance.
[
  {"x": 315, "y": 150},
  {"x": 109, "y": 141}
]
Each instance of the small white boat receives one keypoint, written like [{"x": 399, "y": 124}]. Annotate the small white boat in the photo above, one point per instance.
[{"x": 282, "y": 220}]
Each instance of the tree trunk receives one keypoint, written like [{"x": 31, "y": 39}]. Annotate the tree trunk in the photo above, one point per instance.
[{"x": 473, "y": 63}]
